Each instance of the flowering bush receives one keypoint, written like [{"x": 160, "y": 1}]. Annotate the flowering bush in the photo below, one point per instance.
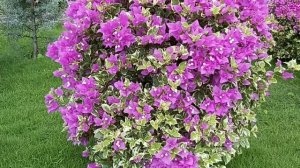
[
  {"x": 162, "y": 83},
  {"x": 286, "y": 17}
]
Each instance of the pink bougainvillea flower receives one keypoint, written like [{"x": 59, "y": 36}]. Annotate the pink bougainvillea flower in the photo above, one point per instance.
[
  {"x": 93, "y": 165},
  {"x": 85, "y": 153},
  {"x": 165, "y": 157},
  {"x": 51, "y": 103},
  {"x": 119, "y": 145},
  {"x": 171, "y": 143},
  {"x": 254, "y": 96},
  {"x": 287, "y": 75}
]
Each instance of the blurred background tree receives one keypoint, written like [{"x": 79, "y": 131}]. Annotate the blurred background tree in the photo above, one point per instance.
[{"x": 25, "y": 18}]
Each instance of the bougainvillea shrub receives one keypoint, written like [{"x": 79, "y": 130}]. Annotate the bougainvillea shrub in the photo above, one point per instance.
[
  {"x": 286, "y": 20},
  {"x": 163, "y": 84}
]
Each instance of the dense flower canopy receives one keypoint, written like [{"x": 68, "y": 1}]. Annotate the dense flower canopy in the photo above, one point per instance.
[
  {"x": 287, "y": 10},
  {"x": 286, "y": 21},
  {"x": 160, "y": 83}
]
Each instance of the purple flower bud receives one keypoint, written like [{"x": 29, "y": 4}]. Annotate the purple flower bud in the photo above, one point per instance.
[
  {"x": 287, "y": 75},
  {"x": 93, "y": 165},
  {"x": 85, "y": 154},
  {"x": 119, "y": 145}
]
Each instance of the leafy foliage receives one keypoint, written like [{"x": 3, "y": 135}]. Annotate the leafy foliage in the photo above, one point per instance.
[
  {"x": 163, "y": 83},
  {"x": 286, "y": 18}
]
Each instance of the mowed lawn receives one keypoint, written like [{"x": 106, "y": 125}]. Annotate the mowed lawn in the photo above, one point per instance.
[{"x": 31, "y": 138}]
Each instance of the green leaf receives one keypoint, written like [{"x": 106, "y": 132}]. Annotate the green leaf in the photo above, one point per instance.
[
  {"x": 183, "y": 50},
  {"x": 199, "y": 96},
  {"x": 261, "y": 64},
  {"x": 100, "y": 146},
  {"x": 211, "y": 120},
  {"x": 215, "y": 157},
  {"x": 196, "y": 136},
  {"x": 173, "y": 133},
  {"x": 216, "y": 10},
  {"x": 170, "y": 120},
  {"x": 245, "y": 143},
  {"x": 269, "y": 59},
  {"x": 146, "y": 12},
  {"x": 165, "y": 106},
  {"x": 154, "y": 124},
  {"x": 245, "y": 132},
  {"x": 186, "y": 25},
  {"x": 233, "y": 137},
  {"x": 97, "y": 134},
  {"x": 127, "y": 82},
  {"x": 200, "y": 149},
  {"x": 246, "y": 30},
  {"x": 167, "y": 56},
  {"x": 154, "y": 148},
  {"x": 154, "y": 2},
  {"x": 106, "y": 107},
  {"x": 196, "y": 37},
  {"x": 181, "y": 67},
  {"x": 89, "y": 5},
  {"x": 175, "y": 2},
  {"x": 222, "y": 137},
  {"x": 273, "y": 80},
  {"x": 132, "y": 143},
  {"x": 153, "y": 30},
  {"x": 174, "y": 85},
  {"x": 148, "y": 137},
  {"x": 293, "y": 65},
  {"x": 126, "y": 125},
  {"x": 108, "y": 64},
  {"x": 227, "y": 158},
  {"x": 233, "y": 63},
  {"x": 254, "y": 130},
  {"x": 141, "y": 122},
  {"x": 105, "y": 163},
  {"x": 187, "y": 127}
]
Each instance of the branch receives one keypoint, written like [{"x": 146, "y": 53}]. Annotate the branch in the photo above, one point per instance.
[
  {"x": 107, "y": 85},
  {"x": 28, "y": 27}
]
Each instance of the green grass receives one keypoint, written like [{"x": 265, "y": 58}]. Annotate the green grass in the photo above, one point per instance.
[
  {"x": 278, "y": 143},
  {"x": 29, "y": 137}
]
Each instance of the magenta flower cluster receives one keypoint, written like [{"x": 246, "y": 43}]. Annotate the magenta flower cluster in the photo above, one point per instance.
[
  {"x": 158, "y": 83},
  {"x": 287, "y": 10}
]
